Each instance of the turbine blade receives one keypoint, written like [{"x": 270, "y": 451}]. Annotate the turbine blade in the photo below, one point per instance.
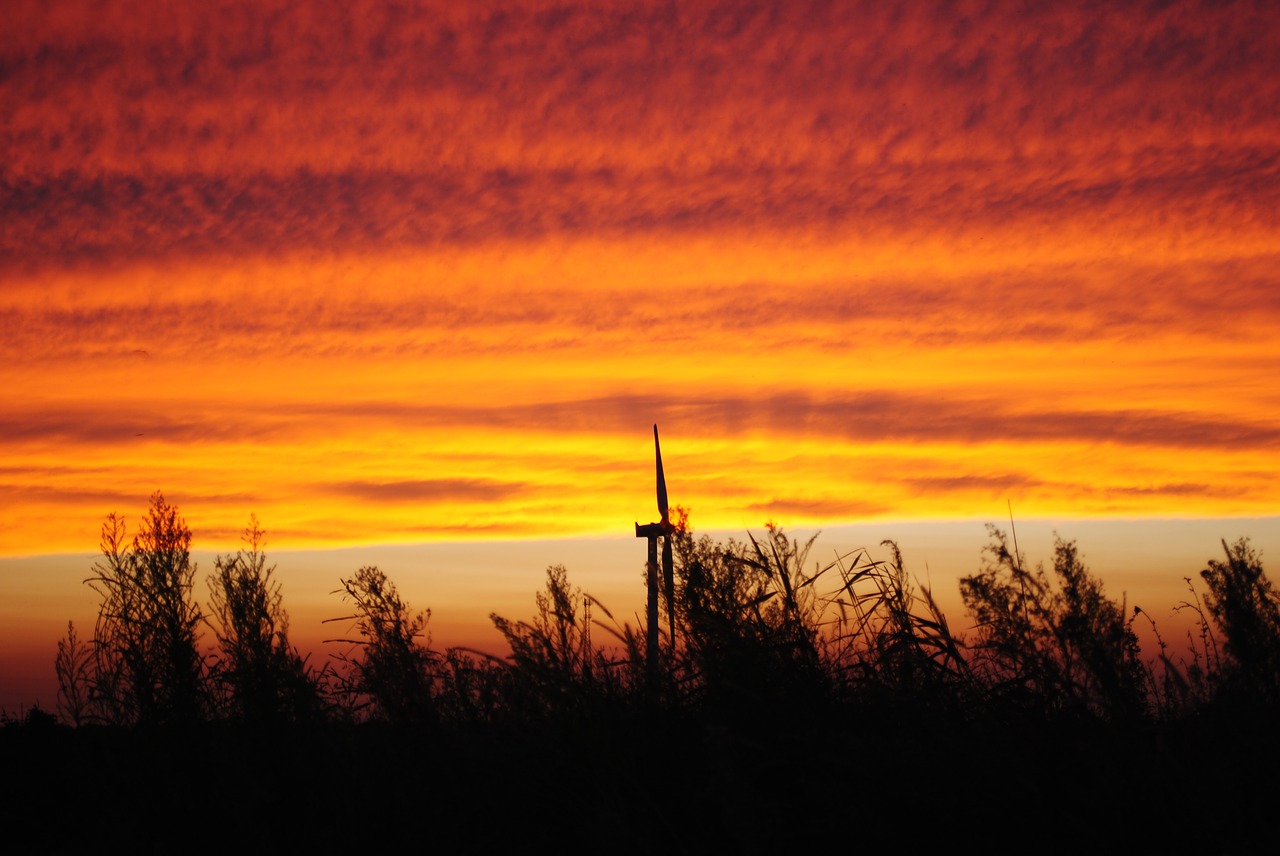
[{"x": 662, "y": 479}]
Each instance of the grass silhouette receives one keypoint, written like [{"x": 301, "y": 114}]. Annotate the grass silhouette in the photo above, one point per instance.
[{"x": 792, "y": 695}]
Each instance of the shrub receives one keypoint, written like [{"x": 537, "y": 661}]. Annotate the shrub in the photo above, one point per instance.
[
  {"x": 263, "y": 677},
  {"x": 73, "y": 665},
  {"x": 147, "y": 667},
  {"x": 750, "y": 622},
  {"x": 551, "y": 657},
  {"x": 1055, "y": 649},
  {"x": 1246, "y": 609},
  {"x": 390, "y": 674}
]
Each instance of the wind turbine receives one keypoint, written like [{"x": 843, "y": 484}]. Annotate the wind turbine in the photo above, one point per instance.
[{"x": 653, "y": 531}]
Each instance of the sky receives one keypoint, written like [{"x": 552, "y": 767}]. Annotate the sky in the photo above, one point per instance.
[{"x": 394, "y": 273}]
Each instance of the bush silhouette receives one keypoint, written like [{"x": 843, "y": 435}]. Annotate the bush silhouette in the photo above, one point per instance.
[
  {"x": 146, "y": 664},
  {"x": 1246, "y": 609},
  {"x": 1053, "y": 649},
  {"x": 390, "y": 674},
  {"x": 749, "y": 621},
  {"x": 73, "y": 666},
  {"x": 551, "y": 658},
  {"x": 262, "y": 676}
]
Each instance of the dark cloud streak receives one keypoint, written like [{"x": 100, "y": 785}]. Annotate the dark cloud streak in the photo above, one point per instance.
[
  {"x": 268, "y": 128},
  {"x": 870, "y": 417},
  {"x": 434, "y": 491},
  {"x": 72, "y": 218},
  {"x": 866, "y": 417}
]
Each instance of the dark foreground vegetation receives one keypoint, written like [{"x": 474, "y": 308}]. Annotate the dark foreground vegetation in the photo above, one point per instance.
[{"x": 796, "y": 707}]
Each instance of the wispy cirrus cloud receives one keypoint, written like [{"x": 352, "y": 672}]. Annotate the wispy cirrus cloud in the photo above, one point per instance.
[
  {"x": 197, "y": 130},
  {"x": 798, "y": 82}
]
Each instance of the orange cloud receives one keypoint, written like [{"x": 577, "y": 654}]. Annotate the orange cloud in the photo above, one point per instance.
[{"x": 403, "y": 272}]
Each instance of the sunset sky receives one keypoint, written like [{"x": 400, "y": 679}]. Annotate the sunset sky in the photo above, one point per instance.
[{"x": 398, "y": 273}]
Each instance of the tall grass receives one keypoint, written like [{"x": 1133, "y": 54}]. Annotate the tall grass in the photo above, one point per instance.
[
  {"x": 888, "y": 636},
  {"x": 762, "y": 632}
]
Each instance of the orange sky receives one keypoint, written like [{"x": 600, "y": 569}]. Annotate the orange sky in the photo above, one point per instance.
[{"x": 386, "y": 273}]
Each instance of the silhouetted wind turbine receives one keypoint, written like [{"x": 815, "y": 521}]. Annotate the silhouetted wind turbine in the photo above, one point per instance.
[{"x": 653, "y": 531}]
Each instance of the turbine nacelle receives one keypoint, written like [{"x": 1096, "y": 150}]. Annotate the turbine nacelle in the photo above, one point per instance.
[{"x": 652, "y": 530}]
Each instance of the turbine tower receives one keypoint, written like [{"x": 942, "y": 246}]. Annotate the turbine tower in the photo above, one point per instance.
[{"x": 653, "y": 531}]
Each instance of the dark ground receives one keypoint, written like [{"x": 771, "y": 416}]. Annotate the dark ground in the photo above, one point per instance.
[{"x": 677, "y": 785}]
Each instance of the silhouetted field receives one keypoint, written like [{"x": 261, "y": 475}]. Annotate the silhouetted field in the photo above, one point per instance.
[
  {"x": 685, "y": 784},
  {"x": 778, "y": 707}
]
